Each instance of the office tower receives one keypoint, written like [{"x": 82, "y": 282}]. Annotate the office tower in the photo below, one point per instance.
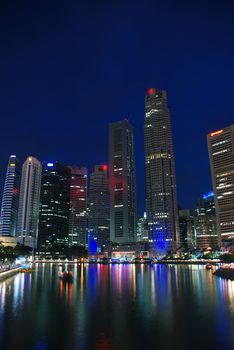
[
  {"x": 161, "y": 198},
  {"x": 10, "y": 199},
  {"x": 54, "y": 206},
  {"x": 27, "y": 228},
  {"x": 99, "y": 212},
  {"x": 142, "y": 229},
  {"x": 186, "y": 225},
  {"x": 221, "y": 154},
  {"x": 205, "y": 222},
  {"x": 122, "y": 182},
  {"x": 78, "y": 229}
]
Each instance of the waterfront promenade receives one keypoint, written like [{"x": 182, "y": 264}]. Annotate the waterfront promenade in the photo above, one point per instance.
[{"x": 5, "y": 273}]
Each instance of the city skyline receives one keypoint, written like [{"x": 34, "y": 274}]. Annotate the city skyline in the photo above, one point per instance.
[
  {"x": 117, "y": 175},
  {"x": 140, "y": 203},
  {"x": 48, "y": 80}
]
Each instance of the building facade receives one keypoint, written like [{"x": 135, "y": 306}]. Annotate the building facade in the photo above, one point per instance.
[
  {"x": 142, "y": 229},
  {"x": 186, "y": 225},
  {"x": 78, "y": 225},
  {"x": 10, "y": 199},
  {"x": 27, "y": 228},
  {"x": 54, "y": 206},
  {"x": 221, "y": 154},
  {"x": 205, "y": 222},
  {"x": 122, "y": 182},
  {"x": 99, "y": 211},
  {"x": 161, "y": 197}
]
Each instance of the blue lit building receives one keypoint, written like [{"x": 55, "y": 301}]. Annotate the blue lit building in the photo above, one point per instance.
[{"x": 161, "y": 196}]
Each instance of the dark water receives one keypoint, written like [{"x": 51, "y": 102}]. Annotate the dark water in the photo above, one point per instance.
[{"x": 125, "y": 306}]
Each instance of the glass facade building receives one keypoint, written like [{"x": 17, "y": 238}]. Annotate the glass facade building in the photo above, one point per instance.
[
  {"x": 221, "y": 154},
  {"x": 161, "y": 197},
  {"x": 122, "y": 182},
  {"x": 54, "y": 206},
  {"x": 27, "y": 228},
  {"x": 205, "y": 222},
  {"x": 10, "y": 199},
  {"x": 78, "y": 224},
  {"x": 99, "y": 212},
  {"x": 186, "y": 225}
]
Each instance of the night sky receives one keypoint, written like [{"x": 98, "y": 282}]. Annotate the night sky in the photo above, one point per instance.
[{"x": 69, "y": 68}]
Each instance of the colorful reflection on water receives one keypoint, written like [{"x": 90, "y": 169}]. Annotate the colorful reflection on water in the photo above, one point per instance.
[{"x": 117, "y": 307}]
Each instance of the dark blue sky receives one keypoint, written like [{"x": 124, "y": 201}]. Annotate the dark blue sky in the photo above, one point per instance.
[{"x": 68, "y": 68}]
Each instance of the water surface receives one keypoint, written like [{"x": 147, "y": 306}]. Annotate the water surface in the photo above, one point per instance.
[{"x": 120, "y": 306}]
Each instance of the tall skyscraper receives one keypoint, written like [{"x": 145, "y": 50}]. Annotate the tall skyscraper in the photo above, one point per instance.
[
  {"x": 27, "y": 228},
  {"x": 161, "y": 197},
  {"x": 122, "y": 182},
  {"x": 99, "y": 212},
  {"x": 221, "y": 154},
  {"x": 78, "y": 229},
  {"x": 54, "y": 206},
  {"x": 205, "y": 222},
  {"x": 10, "y": 199}
]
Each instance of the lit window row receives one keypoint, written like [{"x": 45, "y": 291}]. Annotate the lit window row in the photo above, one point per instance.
[{"x": 222, "y": 151}]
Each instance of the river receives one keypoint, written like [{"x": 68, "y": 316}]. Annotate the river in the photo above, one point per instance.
[{"x": 120, "y": 307}]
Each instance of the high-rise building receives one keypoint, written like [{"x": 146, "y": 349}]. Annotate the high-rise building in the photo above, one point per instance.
[
  {"x": 221, "y": 154},
  {"x": 10, "y": 199},
  {"x": 161, "y": 197},
  {"x": 54, "y": 206},
  {"x": 186, "y": 225},
  {"x": 142, "y": 228},
  {"x": 27, "y": 228},
  {"x": 122, "y": 182},
  {"x": 99, "y": 212},
  {"x": 78, "y": 228},
  {"x": 205, "y": 222}
]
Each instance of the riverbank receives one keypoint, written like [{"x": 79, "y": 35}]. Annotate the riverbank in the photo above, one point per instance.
[
  {"x": 165, "y": 262},
  {"x": 11, "y": 272},
  {"x": 225, "y": 272}
]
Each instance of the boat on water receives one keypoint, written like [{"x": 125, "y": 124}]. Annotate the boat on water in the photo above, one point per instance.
[
  {"x": 26, "y": 270},
  {"x": 209, "y": 266},
  {"x": 66, "y": 276}
]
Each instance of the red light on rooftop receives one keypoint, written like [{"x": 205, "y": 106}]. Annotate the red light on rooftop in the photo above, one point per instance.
[
  {"x": 104, "y": 167},
  {"x": 216, "y": 133},
  {"x": 150, "y": 91}
]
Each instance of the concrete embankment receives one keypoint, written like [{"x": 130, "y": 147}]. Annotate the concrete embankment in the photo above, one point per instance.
[
  {"x": 225, "y": 273},
  {"x": 6, "y": 274}
]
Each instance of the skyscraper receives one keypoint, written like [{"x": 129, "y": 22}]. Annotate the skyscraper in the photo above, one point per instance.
[
  {"x": 27, "y": 228},
  {"x": 221, "y": 154},
  {"x": 205, "y": 222},
  {"x": 161, "y": 198},
  {"x": 10, "y": 199},
  {"x": 122, "y": 182},
  {"x": 54, "y": 206},
  {"x": 186, "y": 225},
  {"x": 99, "y": 212},
  {"x": 142, "y": 229},
  {"x": 78, "y": 229}
]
